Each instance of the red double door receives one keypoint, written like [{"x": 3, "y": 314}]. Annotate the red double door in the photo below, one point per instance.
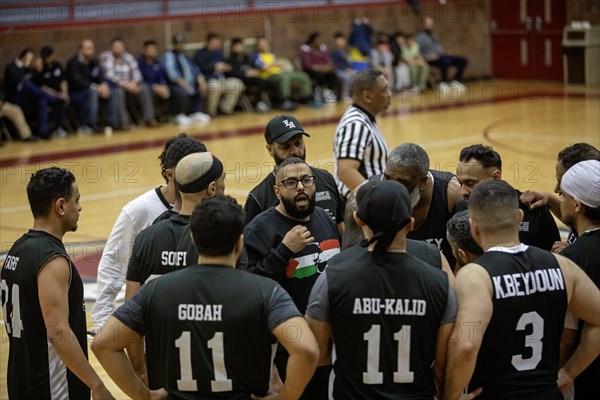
[{"x": 526, "y": 39}]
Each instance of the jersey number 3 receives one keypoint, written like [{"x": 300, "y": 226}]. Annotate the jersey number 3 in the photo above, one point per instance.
[
  {"x": 14, "y": 324},
  {"x": 187, "y": 383},
  {"x": 533, "y": 340},
  {"x": 403, "y": 374}
]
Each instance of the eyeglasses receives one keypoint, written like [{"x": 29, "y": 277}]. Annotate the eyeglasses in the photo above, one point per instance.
[{"x": 292, "y": 183}]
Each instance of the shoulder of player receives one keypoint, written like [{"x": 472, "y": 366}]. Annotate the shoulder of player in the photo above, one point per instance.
[
  {"x": 142, "y": 204},
  {"x": 472, "y": 275},
  {"x": 263, "y": 219}
]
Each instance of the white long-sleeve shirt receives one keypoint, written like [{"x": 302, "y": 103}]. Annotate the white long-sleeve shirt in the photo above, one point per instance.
[{"x": 135, "y": 216}]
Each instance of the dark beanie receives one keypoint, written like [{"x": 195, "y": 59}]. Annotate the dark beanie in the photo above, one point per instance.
[{"x": 386, "y": 209}]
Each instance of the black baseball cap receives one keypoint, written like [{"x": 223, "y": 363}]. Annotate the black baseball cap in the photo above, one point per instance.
[
  {"x": 385, "y": 207},
  {"x": 282, "y": 128}
]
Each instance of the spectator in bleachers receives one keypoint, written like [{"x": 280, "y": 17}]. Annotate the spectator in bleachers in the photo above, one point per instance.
[
  {"x": 223, "y": 92},
  {"x": 419, "y": 68},
  {"x": 50, "y": 77},
  {"x": 341, "y": 61},
  {"x": 401, "y": 72},
  {"x": 317, "y": 63},
  {"x": 86, "y": 86},
  {"x": 381, "y": 58},
  {"x": 243, "y": 68},
  {"x": 21, "y": 90},
  {"x": 153, "y": 72},
  {"x": 360, "y": 42},
  {"x": 121, "y": 71},
  {"x": 14, "y": 114},
  {"x": 271, "y": 68},
  {"x": 187, "y": 84},
  {"x": 434, "y": 53}
]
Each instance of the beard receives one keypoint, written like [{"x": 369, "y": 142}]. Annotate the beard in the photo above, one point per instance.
[
  {"x": 415, "y": 197},
  {"x": 299, "y": 212},
  {"x": 279, "y": 160}
]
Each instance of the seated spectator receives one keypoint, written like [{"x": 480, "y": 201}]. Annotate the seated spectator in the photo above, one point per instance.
[
  {"x": 14, "y": 114},
  {"x": 381, "y": 58},
  {"x": 21, "y": 90},
  {"x": 86, "y": 86},
  {"x": 270, "y": 68},
  {"x": 341, "y": 61},
  {"x": 360, "y": 42},
  {"x": 401, "y": 71},
  {"x": 153, "y": 72},
  {"x": 434, "y": 53},
  {"x": 243, "y": 68},
  {"x": 187, "y": 84},
  {"x": 223, "y": 93},
  {"x": 419, "y": 68},
  {"x": 50, "y": 76},
  {"x": 317, "y": 63},
  {"x": 121, "y": 71}
]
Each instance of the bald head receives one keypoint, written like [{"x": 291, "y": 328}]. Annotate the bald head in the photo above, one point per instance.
[{"x": 195, "y": 172}]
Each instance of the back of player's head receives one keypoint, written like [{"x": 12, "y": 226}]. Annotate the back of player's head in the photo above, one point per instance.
[
  {"x": 459, "y": 232},
  {"x": 216, "y": 225},
  {"x": 577, "y": 152},
  {"x": 485, "y": 155},
  {"x": 495, "y": 206},
  {"x": 286, "y": 163},
  {"x": 46, "y": 186},
  {"x": 176, "y": 148},
  {"x": 410, "y": 155},
  {"x": 386, "y": 209},
  {"x": 365, "y": 80},
  {"x": 195, "y": 172}
]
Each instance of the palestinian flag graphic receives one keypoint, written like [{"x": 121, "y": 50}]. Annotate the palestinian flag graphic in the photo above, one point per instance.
[{"x": 312, "y": 259}]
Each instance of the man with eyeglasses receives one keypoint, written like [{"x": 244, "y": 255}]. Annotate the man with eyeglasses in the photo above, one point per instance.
[{"x": 291, "y": 243}]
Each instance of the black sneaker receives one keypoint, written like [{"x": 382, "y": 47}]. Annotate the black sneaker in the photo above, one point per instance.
[{"x": 31, "y": 139}]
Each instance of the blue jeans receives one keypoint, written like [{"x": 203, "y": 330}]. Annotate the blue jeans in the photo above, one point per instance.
[
  {"x": 85, "y": 103},
  {"x": 32, "y": 97}
]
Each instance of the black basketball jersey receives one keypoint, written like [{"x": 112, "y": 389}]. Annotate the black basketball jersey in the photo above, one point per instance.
[
  {"x": 385, "y": 320},
  {"x": 212, "y": 336},
  {"x": 155, "y": 251},
  {"x": 35, "y": 371},
  {"x": 422, "y": 250},
  {"x": 518, "y": 358}
]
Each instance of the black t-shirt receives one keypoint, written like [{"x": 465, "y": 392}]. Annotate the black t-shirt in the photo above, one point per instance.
[
  {"x": 14, "y": 77},
  {"x": 210, "y": 330},
  {"x": 538, "y": 227},
  {"x": 390, "y": 313},
  {"x": 268, "y": 256},
  {"x": 518, "y": 358},
  {"x": 80, "y": 75},
  {"x": 53, "y": 75},
  {"x": 327, "y": 196},
  {"x": 584, "y": 252},
  {"x": 167, "y": 214},
  {"x": 35, "y": 371}
]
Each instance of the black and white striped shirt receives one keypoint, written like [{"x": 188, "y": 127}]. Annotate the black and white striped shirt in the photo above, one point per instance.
[{"x": 357, "y": 137}]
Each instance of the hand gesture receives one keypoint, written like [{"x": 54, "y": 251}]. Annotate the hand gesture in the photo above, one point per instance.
[{"x": 297, "y": 238}]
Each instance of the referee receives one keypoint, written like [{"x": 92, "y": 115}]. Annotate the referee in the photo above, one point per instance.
[{"x": 359, "y": 148}]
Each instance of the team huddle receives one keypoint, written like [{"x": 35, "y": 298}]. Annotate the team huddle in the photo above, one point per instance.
[{"x": 388, "y": 280}]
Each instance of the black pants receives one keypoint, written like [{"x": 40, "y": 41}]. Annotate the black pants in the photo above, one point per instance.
[{"x": 444, "y": 62}]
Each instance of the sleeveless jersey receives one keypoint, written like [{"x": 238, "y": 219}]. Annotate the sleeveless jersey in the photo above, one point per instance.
[
  {"x": 213, "y": 333},
  {"x": 385, "y": 320},
  {"x": 518, "y": 358},
  {"x": 35, "y": 370}
]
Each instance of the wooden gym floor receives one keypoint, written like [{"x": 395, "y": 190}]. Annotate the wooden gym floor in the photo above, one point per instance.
[{"x": 527, "y": 123}]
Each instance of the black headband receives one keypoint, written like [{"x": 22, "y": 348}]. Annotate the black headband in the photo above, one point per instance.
[{"x": 202, "y": 182}]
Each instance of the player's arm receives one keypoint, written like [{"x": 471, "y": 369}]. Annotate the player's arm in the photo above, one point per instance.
[
  {"x": 54, "y": 279},
  {"x": 304, "y": 355},
  {"x": 584, "y": 303},
  {"x": 446, "y": 268},
  {"x": 348, "y": 172},
  {"x": 317, "y": 317},
  {"x": 474, "y": 296},
  {"x": 454, "y": 196},
  {"x": 109, "y": 346},
  {"x": 322, "y": 332},
  {"x": 441, "y": 350},
  {"x": 135, "y": 349}
]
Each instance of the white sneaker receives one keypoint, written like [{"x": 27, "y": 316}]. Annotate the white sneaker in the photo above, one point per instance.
[
  {"x": 443, "y": 86},
  {"x": 459, "y": 85},
  {"x": 329, "y": 97},
  {"x": 200, "y": 117},
  {"x": 182, "y": 119},
  {"x": 60, "y": 132}
]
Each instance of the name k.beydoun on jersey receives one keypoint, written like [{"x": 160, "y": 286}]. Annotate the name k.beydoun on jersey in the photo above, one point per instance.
[
  {"x": 200, "y": 312},
  {"x": 524, "y": 284},
  {"x": 375, "y": 305}
]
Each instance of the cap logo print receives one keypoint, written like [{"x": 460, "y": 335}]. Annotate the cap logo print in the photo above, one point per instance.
[{"x": 288, "y": 124}]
